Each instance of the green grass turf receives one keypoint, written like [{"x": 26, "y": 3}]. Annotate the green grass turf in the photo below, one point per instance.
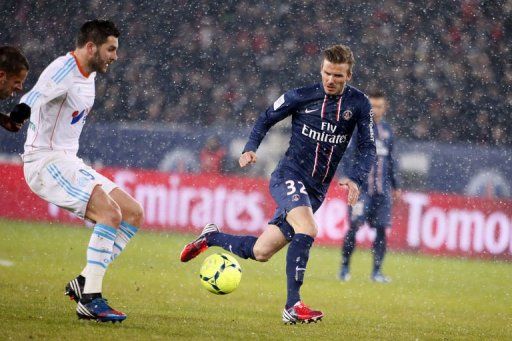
[{"x": 430, "y": 298}]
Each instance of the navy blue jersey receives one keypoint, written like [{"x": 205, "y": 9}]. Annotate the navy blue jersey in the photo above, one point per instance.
[
  {"x": 322, "y": 126},
  {"x": 382, "y": 177}
]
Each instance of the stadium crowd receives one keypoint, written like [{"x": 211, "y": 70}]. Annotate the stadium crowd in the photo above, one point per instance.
[{"x": 446, "y": 66}]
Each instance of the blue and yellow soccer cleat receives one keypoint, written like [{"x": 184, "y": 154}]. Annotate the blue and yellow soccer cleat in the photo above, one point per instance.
[
  {"x": 100, "y": 311},
  {"x": 75, "y": 288}
]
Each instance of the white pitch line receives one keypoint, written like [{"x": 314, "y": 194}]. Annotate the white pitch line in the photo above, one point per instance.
[{"x": 7, "y": 263}]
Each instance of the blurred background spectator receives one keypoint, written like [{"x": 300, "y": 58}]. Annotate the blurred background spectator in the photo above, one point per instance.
[
  {"x": 212, "y": 157},
  {"x": 446, "y": 66}
]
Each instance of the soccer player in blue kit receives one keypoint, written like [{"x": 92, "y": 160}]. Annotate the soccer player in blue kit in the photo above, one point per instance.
[
  {"x": 324, "y": 116},
  {"x": 374, "y": 205}
]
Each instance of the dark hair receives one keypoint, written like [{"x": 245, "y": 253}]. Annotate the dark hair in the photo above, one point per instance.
[
  {"x": 376, "y": 94},
  {"x": 339, "y": 54},
  {"x": 96, "y": 31},
  {"x": 12, "y": 61}
]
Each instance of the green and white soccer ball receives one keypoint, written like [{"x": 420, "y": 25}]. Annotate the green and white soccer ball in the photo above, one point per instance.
[{"x": 220, "y": 273}]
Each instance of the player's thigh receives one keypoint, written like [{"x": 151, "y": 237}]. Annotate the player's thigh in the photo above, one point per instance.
[
  {"x": 288, "y": 191},
  {"x": 268, "y": 243},
  {"x": 293, "y": 202},
  {"x": 131, "y": 210},
  {"x": 302, "y": 220},
  {"x": 62, "y": 181}
]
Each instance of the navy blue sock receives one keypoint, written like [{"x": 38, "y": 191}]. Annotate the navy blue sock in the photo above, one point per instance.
[
  {"x": 239, "y": 245},
  {"x": 296, "y": 261},
  {"x": 379, "y": 248},
  {"x": 349, "y": 245}
]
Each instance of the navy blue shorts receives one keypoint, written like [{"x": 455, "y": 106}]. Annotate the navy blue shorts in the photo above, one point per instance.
[
  {"x": 289, "y": 191},
  {"x": 375, "y": 210}
]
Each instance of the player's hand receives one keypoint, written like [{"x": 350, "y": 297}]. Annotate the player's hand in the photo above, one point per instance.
[
  {"x": 247, "y": 158},
  {"x": 20, "y": 113},
  {"x": 353, "y": 190},
  {"x": 9, "y": 124}
]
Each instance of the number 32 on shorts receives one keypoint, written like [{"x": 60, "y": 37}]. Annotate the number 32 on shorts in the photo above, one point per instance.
[{"x": 290, "y": 184}]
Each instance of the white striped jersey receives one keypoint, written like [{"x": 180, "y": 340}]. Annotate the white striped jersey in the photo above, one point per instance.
[{"x": 60, "y": 101}]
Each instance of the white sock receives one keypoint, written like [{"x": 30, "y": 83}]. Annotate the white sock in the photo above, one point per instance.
[
  {"x": 99, "y": 254},
  {"x": 124, "y": 234}
]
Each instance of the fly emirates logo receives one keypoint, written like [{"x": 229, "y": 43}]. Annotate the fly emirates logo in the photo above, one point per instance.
[{"x": 326, "y": 135}]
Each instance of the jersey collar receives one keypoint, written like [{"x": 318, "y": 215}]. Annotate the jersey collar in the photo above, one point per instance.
[{"x": 82, "y": 71}]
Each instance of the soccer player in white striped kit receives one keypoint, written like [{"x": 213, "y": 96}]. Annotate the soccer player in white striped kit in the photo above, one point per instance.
[{"x": 60, "y": 102}]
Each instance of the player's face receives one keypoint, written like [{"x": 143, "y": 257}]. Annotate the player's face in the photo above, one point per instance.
[
  {"x": 379, "y": 108},
  {"x": 334, "y": 77},
  {"x": 10, "y": 84},
  {"x": 105, "y": 55}
]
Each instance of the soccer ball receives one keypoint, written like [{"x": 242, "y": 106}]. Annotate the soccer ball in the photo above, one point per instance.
[{"x": 220, "y": 273}]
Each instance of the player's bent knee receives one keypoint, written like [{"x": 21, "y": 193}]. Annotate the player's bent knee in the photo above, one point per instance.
[
  {"x": 311, "y": 231},
  {"x": 262, "y": 254},
  {"x": 135, "y": 215},
  {"x": 112, "y": 214}
]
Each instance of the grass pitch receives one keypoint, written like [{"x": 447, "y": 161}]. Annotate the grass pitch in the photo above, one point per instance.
[{"x": 429, "y": 298}]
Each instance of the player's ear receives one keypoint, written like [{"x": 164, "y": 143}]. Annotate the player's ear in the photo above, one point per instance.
[
  {"x": 3, "y": 76},
  {"x": 91, "y": 48}
]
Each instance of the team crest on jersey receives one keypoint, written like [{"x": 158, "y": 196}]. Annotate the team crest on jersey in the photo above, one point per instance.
[
  {"x": 347, "y": 115},
  {"x": 77, "y": 116},
  {"x": 295, "y": 197}
]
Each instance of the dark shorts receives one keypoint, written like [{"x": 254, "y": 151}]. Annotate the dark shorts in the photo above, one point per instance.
[
  {"x": 289, "y": 191},
  {"x": 375, "y": 210}
]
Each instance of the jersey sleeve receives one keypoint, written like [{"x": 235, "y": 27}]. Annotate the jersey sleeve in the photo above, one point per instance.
[
  {"x": 365, "y": 154},
  {"x": 53, "y": 82},
  {"x": 350, "y": 153},
  {"x": 282, "y": 108},
  {"x": 395, "y": 182}
]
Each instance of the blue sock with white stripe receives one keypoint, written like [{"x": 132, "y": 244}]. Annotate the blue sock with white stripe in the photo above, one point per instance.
[
  {"x": 296, "y": 260},
  {"x": 99, "y": 255},
  {"x": 124, "y": 234}
]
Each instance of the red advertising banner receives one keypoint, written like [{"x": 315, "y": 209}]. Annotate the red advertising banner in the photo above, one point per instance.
[{"x": 423, "y": 222}]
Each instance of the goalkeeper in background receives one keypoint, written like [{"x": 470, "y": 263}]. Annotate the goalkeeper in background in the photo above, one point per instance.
[{"x": 13, "y": 72}]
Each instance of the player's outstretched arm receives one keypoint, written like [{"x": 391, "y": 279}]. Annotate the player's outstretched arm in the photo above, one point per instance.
[
  {"x": 247, "y": 158},
  {"x": 282, "y": 108},
  {"x": 353, "y": 190}
]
